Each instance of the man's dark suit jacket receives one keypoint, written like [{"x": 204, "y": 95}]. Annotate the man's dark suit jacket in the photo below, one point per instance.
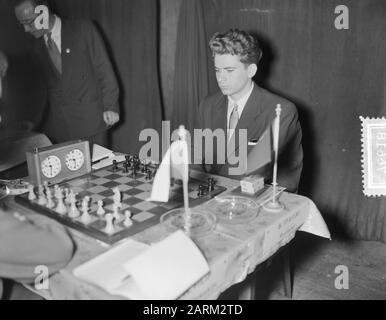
[
  {"x": 259, "y": 113},
  {"x": 86, "y": 88}
]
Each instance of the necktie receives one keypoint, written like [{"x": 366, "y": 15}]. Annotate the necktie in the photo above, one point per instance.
[
  {"x": 54, "y": 53},
  {"x": 233, "y": 121}
]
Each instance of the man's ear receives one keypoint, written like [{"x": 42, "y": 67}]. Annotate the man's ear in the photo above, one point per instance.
[{"x": 252, "y": 69}]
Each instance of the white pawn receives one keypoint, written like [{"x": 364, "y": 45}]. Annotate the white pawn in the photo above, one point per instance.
[
  {"x": 31, "y": 194},
  {"x": 128, "y": 222},
  {"x": 74, "y": 212},
  {"x": 109, "y": 224},
  {"x": 85, "y": 218},
  {"x": 100, "y": 210},
  {"x": 50, "y": 203}
]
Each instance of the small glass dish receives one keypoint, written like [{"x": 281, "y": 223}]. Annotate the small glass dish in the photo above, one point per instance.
[
  {"x": 202, "y": 222},
  {"x": 234, "y": 209}
]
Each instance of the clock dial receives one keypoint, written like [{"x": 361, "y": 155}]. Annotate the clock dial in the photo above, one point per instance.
[
  {"x": 74, "y": 160},
  {"x": 51, "y": 166}
]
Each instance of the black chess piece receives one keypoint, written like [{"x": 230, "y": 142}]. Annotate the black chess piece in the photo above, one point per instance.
[
  {"x": 126, "y": 167},
  {"x": 200, "y": 190},
  {"x": 210, "y": 184},
  {"x": 115, "y": 165},
  {"x": 148, "y": 174},
  {"x": 144, "y": 167}
]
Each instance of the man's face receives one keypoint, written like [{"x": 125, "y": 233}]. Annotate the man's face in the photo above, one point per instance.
[
  {"x": 233, "y": 76},
  {"x": 25, "y": 14}
]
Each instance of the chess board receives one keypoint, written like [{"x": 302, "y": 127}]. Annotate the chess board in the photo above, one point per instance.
[{"x": 98, "y": 185}]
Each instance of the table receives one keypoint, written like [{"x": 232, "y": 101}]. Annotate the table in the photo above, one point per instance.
[{"x": 232, "y": 251}]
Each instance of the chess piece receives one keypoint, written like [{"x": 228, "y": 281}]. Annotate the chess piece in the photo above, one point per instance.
[
  {"x": 117, "y": 197},
  {"x": 109, "y": 229},
  {"x": 115, "y": 165},
  {"x": 116, "y": 214},
  {"x": 50, "y": 203},
  {"x": 45, "y": 184},
  {"x": 144, "y": 166},
  {"x": 41, "y": 198},
  {"x": 148, "y": 174},
  {"x": 56, "y": 190},
  {"x": 74, "y": 212},
  {"x": 200, "y": 190},
  {"x": 61, "y": 207},
  {"x": 128, "y": 222},
  {"x": 100, "y": 210},
  {"x": 31, "y": 194},
  {"x": 67, "y": 196},
  {"x": 85, "y": 218},
  {"x": 210, "y": 184}
]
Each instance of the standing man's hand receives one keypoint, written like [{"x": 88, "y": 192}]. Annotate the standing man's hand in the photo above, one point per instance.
[{"x": 110, "y": 117}]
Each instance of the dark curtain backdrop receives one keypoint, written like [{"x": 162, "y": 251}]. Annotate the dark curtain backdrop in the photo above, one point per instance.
[
  {"x": 22, "y": 92},
  {"x": 333, "y": 76},
  {"x": 191, "y": 82},
  {"x": 129, "y": 28}
]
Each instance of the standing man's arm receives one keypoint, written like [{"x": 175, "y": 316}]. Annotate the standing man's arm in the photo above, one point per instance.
[{"x": 105, "y": 74}]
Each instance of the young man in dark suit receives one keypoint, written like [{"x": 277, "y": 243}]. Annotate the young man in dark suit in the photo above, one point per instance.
[
  {"x": 82, "y": 88},
  {"x": 242, "y": 104}
]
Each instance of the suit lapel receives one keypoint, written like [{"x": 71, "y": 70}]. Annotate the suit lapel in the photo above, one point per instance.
[
  {"x": 43, "y": 51},
  {"x": 252, "y": 110},
  {"x": 219, "y": 115}
]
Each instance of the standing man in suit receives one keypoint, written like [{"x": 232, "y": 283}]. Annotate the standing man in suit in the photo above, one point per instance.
[
  {"x": 82, "y": 89},
  {"x": 242, "y": 104}
]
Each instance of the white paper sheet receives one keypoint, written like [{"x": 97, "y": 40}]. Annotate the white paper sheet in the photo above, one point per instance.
[
  {"x": 99, "y": 153},
  {"x": 108, "y": 162},
  {"x": 167, "y": 269},
  {"x": 107, "y": 270}
]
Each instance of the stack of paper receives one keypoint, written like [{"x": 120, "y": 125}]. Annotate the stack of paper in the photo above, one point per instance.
[
  {"x": 102, "y": 157},
  {"x": 162, "y": 272},
  {"x": 107, "y": 270},
  {"x": 99, "y": 153}
]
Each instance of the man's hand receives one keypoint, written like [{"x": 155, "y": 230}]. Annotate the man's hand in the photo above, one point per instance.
[{"x": 110, "y": 117}]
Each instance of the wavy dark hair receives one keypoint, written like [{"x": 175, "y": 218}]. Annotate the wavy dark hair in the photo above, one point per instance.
[{"x": 237, "y": 42}]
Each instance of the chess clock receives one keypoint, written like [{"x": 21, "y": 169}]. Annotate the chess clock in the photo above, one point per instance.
[{"x": 58, "y": 163}]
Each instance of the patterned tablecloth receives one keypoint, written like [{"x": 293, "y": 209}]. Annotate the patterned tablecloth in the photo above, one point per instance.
[{"x": 232, "y": 250}]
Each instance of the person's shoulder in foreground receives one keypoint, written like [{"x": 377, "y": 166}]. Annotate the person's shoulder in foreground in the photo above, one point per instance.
[{"x": 30, "y": 242}]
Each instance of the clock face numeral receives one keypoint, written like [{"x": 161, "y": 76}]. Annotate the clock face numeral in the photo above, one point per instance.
[
  {"x": 51, "y": 166},
  {"x": 74, "y": 160}
]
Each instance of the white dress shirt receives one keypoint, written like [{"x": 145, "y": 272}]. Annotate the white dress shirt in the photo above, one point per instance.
[
  {"x": 240, "y": 107},
  {"x": 56, "y": 33}
]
